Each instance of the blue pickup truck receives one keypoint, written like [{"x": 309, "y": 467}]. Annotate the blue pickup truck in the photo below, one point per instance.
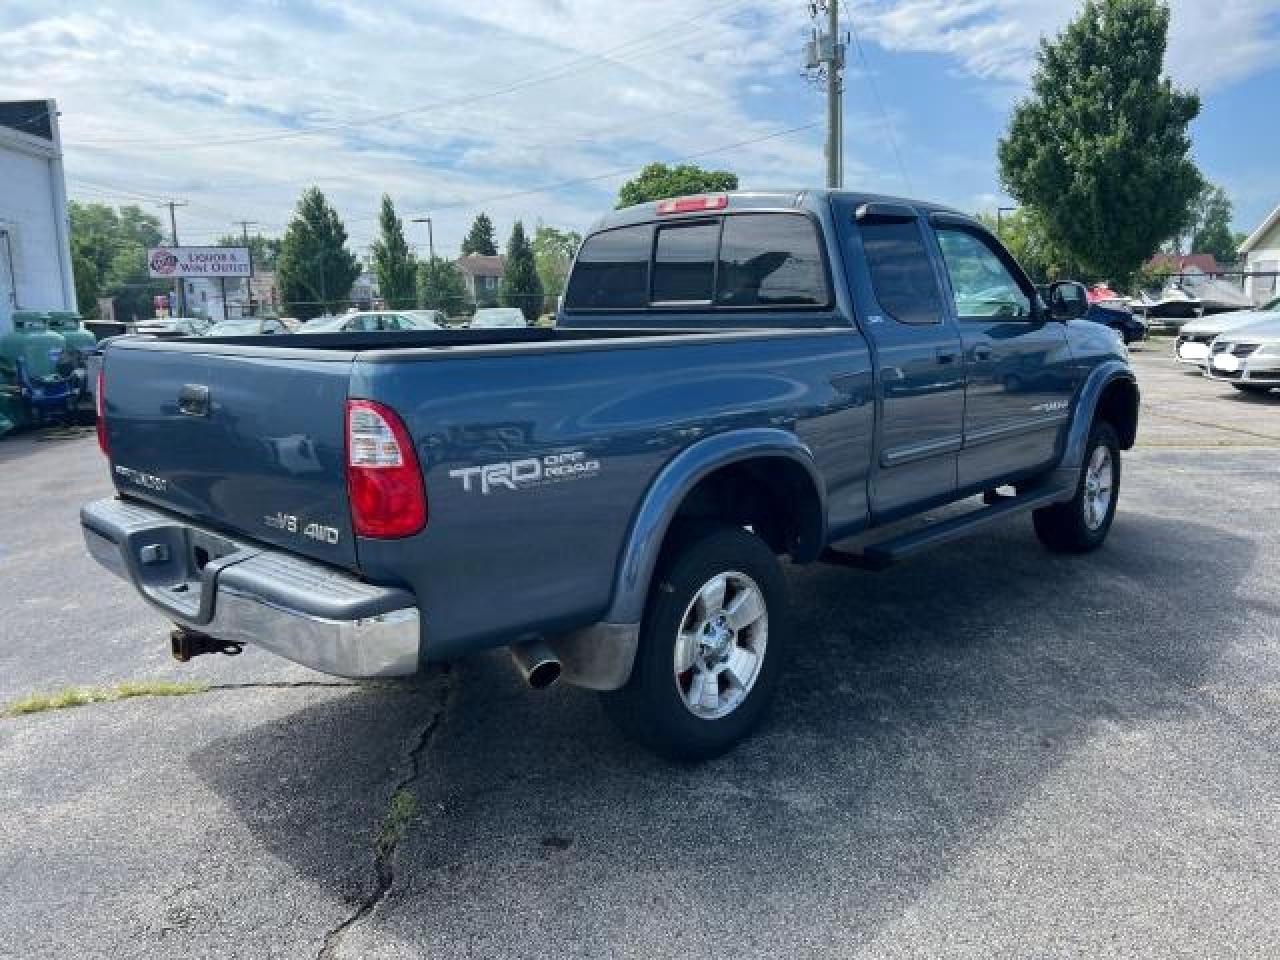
[{"x": 733, "y": 378}]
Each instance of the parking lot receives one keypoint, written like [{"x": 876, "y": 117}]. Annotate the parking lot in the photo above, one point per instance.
[{"x": 988, "y": 751}]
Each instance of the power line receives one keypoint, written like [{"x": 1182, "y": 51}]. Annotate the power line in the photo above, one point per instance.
[
  {"x": 875, "y": 91},
  {"x": 621, "y": 172},
  {"x": 546, "y": 76}
]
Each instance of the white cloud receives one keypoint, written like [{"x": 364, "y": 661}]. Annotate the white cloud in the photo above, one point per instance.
[
  {"x": 444, "y": 110},
  {"x": 1210, "y": 44}
]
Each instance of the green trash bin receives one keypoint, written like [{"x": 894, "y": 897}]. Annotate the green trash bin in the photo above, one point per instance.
[
  {"x": 79, "y": 344},
  {"x": 33, "y": 387}
]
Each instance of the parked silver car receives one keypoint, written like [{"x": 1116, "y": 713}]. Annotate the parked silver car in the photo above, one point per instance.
[
  {"x": 498, "y": 318},
  {"x": 1248, "y": 357},
  {"x": 1192, "y": 345}
]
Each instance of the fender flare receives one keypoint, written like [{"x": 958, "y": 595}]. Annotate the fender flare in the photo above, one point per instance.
[
  {"x": 1100, "y": 378},
  {"x": 667, "y": 492}
]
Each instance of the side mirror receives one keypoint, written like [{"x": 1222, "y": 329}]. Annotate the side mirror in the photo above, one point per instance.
[{"x": 1068, "y": 300}]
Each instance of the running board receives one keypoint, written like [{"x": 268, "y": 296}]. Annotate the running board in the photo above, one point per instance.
[{"x": 877, "y": 556}]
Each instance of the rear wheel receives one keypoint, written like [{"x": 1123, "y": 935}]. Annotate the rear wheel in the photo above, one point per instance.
[
  {"x": 1082, "y": 523},
  {"x": 711, "y": 645}
]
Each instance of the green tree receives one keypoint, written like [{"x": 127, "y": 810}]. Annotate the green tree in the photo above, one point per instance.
[
  {"x": 479, "y": 238},
  {"x": 109, "y": 257},
  {"x": 658, "y": 181},
  {"x": 315, "y": 269},
  {"x": 1024, "y": 234},
  {"x": 1100, "y": 150},
  {"x": 1211, "y": 231},
  {"x": 441, "y": 287},
  {"x": 553, "y": 252},
  {"x": 88, "y": 283},
  {"x": 264, "y": 250},
  {"x": 520, "y": 284},
  {"x": 393, "y": 264}
]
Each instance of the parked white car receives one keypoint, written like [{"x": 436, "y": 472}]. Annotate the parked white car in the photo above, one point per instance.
[
  {"x": 1192, "y": 345},
  {"x": 1248, "y": 357},
  {"x": 369, "y": 321},
  {"x": 498, "y": 318}
]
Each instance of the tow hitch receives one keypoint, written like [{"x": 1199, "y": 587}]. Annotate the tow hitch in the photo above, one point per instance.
[{"x": 186, "y": 644}]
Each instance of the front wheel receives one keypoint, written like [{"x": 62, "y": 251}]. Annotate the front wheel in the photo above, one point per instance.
[
  {"x": 711, "y": 643},
  {"x": 1082, "y": 523}
]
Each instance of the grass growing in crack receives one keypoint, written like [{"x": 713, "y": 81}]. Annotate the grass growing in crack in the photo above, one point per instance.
[
  {"x": 400, "y": 811},
  {"x": 81, "y": 696}
]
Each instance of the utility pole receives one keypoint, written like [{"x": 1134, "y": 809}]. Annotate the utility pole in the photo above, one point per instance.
[
  {"x": 248, "y": 281},
  {"x": 431, "y": 243},
  {"x": 825, "y": 53},
  {"x": 835, "y": 65},
  {"x": 173, "y": 233}
]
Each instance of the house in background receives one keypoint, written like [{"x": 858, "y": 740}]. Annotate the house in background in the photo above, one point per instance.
[
  {"x": 1261, "y": 258},
  {"x": 482, "y": 275},
  {"x": 35, "y": 236},
  {"x": 1176, "y": 263}
]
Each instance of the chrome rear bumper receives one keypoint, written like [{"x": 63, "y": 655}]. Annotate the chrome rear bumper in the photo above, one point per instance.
[{"x": 237, "y": 590}]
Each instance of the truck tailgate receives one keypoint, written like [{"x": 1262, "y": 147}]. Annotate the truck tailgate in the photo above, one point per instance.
[{"x": 252, "y": 444}]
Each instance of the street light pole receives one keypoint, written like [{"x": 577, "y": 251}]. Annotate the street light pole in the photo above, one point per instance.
[
  {"x": 431, "y": 243},
  {"x": 173, "y": 233},
  {"x": 248, "y": 281}
]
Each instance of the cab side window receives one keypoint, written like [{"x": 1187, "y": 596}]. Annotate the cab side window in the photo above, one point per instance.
[
  {"x": 901, "y": 271},
  {"x": 982, "y": 285}
]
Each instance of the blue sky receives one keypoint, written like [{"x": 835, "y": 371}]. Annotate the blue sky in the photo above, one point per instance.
[{"x": 539, "y": 109}]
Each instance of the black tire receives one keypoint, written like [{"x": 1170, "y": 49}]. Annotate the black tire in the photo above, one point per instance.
[
  {"x": 1065, "y": 527},
  {"x": 650, "y": 709},
  {"x": 1252, "y": 387}
]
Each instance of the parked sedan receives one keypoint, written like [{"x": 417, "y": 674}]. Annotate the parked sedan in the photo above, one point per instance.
[
  {"x": 1193, "y": 341},
  {"x": 498, "y": 318},
  {"x": 247, "y": 327},
  {"x": 1120, "y": 319},
  {"x": 172, "y": 327},
  {"x": 1247, "y": 357},
  {"x": 369, "y": 321}
]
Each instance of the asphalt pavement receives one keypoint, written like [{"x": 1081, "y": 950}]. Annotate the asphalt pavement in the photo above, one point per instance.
[{"x": 989, "y": 751}]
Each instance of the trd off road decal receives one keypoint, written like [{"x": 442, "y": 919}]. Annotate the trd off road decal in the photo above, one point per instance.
[{"x": 530, "y": 472}]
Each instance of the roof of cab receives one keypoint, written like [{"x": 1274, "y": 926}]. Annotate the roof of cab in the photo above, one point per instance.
[{"x": 799, "y": 198}]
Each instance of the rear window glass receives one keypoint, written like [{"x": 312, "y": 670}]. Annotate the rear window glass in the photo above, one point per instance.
[
  {"x": 770, "y": 259},
  {"x": 612, "y": 270},
  {"x": 684, "y": 263},
  {"x": 901, "y": 271}
]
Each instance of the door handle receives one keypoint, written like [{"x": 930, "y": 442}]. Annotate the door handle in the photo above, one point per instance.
[
  {"x": 946, "y": 356},
  {"x": 982, "y": 352}
]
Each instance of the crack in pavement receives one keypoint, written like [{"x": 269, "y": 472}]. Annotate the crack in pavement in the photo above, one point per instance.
[{"x": 384, "y": 856}]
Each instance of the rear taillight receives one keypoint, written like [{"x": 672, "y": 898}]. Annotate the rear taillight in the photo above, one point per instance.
[
  {"x": 384, "y": 482},
  {"x": 709, "y": 201},
  {"x": 100, "y": 404}
]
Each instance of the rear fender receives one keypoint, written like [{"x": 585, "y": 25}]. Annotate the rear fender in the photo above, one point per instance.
[{"x": 667, "y": 492}]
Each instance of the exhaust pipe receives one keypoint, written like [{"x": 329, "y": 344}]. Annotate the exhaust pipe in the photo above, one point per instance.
[{"x": 536, "y": 663}]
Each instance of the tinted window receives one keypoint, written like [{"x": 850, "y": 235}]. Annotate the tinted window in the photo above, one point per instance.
[
  {"x": 770, "y": 259},
  {"x": 980, "y": 282},
  {"x": 901, "y": 272},
  {"x": 612, "y": 270},
  {"x": 684, "y": 262}
]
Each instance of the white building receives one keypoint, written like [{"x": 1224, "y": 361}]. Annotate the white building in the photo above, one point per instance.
[
  {"x": 35, "y": 235},
  {"x": 1261, "y": 256}
]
